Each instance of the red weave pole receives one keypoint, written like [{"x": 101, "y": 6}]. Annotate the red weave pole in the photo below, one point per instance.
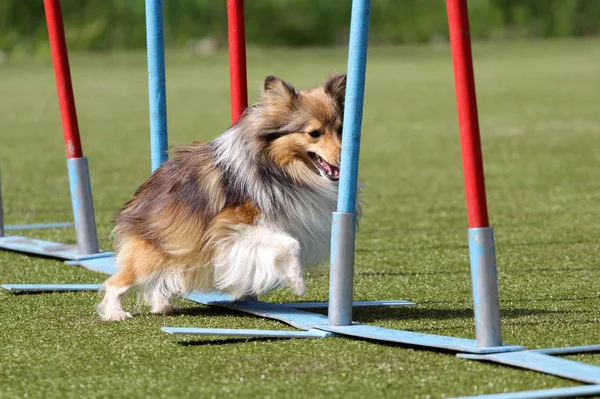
[
  {"x": 60, "y": 59},
  {"x": 460, "y": 44},
  {"x": 237, "y": 58}
]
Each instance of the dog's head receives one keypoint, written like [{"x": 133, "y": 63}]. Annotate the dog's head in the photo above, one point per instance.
[{"x": 302, "y": 130}]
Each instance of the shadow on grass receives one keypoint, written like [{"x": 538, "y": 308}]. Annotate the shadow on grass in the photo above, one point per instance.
[
  {"x": 374, "y": 314},
  {"x": 419, "y": 273},
  {"x": 380, "y": 315},
  {"x": 500, "y": 244},
  {"x": 574, "y": 299},
  {"x": 209, "y": 311},
  {"x": 411, "y": 313},
  {"x": 231, "y": 341}
]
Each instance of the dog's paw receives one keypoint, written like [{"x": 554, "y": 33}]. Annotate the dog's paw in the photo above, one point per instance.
[
  {"x": 164, "y": 309},
  {"x": 298, "y": 287},
  {"x": 116, "y": 316}
]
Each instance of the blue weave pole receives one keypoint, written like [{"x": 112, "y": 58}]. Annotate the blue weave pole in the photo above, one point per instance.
[
  {"x": 156, "y": 82},
  {"x": 341, "y": 279}
]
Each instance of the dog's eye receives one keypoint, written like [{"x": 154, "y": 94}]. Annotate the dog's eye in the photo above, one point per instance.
[{"x": 315, "y": 134}]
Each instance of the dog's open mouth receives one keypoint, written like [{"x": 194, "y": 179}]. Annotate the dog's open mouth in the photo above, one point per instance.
[{"x": 328, "y": 170}]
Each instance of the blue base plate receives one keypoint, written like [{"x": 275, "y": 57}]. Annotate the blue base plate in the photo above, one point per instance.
[
  {"x": 307, "y": 321},
  {"x": 534, "y": 360},
  {"x": 105, "y": 264},
  {"x": 46, "y": 248},
  {"x": 415, "y": 339},
  {"x": 38, "y": 226},
  {"x": 569, "y": 350},
  {"x": 294, "y": 317},
  {"x": 570, "y": 392}
]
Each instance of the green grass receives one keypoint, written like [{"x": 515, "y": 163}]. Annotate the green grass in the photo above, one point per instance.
[{"x": 541, "y": 140}]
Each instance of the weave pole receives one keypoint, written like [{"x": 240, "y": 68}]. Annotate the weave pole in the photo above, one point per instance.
[
  {"x": 238, "y": 80},
  {"x": 155, "y": 45},
  {"x": 79, "y": 177},
  {"x": 481, "y": 235},
  {"x": 237, "y": 58},
  {"x": 341, "y": 280}
]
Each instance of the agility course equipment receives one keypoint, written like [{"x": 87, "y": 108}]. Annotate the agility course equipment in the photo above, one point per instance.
[
  {"x": 77, "y": 165},
  {"x": 157, "y": 98},
  {"x": 237, "y": 58},
  {"x": 340, "y": 305},
  {"x": 488, "y": 345}
]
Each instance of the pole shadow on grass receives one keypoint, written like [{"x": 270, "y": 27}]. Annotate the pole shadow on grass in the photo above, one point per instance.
[
  {"x": 554, "y": 299},
  {"x": 372, "y": 273},
  {"x": 413, "y": 313},
  {"x": 212, "y": 341},
  {"x": 207, "y": 311},
  {"x": 373, "y": 314},
  {"x": 499, "y": 245}
]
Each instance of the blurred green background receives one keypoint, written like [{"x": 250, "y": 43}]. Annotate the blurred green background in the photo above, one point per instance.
[{"x": 119, "y": 24}]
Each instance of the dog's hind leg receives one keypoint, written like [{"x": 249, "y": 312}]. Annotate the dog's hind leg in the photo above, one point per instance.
[
  {"x": 115, "y": 289},
  {"x": 159, "y": 303},
  {"x": 137, "y": 260},
  {"x": 159, "y": 288}
]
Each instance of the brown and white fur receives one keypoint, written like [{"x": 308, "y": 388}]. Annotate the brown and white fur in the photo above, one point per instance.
[{"x": 242, "y": 214}]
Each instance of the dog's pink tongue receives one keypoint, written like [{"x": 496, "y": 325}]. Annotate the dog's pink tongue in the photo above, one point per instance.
[{"x": 335, "y": 171}]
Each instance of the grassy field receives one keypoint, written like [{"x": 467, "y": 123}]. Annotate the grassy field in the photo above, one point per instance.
[{"x": 539, "y": 105}]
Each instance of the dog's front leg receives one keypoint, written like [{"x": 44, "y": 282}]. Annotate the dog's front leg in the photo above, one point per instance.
[{"x": 253, "y": 260}]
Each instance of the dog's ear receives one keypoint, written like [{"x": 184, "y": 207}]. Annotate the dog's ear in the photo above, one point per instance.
[
  {"x": 335, "y": 87},
  {"x": 278, "y": 87}
]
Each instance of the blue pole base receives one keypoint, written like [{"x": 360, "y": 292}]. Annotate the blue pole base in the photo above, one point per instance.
[
  {"x": 83, "y": 205},
  {"x": 341, "y": 274},
  {"x": 485, "y": 287}
]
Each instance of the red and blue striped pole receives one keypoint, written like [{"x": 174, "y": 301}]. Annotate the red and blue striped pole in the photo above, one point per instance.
[
  {"x": 79, "y": 178},
  {"x": 237, "y": 58},
  {"x": 481, "y": 235}
]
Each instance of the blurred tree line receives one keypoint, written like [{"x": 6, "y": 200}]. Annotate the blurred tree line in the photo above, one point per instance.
[{"x": 119, "y": 24}]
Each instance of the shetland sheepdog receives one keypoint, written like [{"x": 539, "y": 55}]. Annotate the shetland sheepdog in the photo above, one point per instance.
[{"x": 242, "y": 214}]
